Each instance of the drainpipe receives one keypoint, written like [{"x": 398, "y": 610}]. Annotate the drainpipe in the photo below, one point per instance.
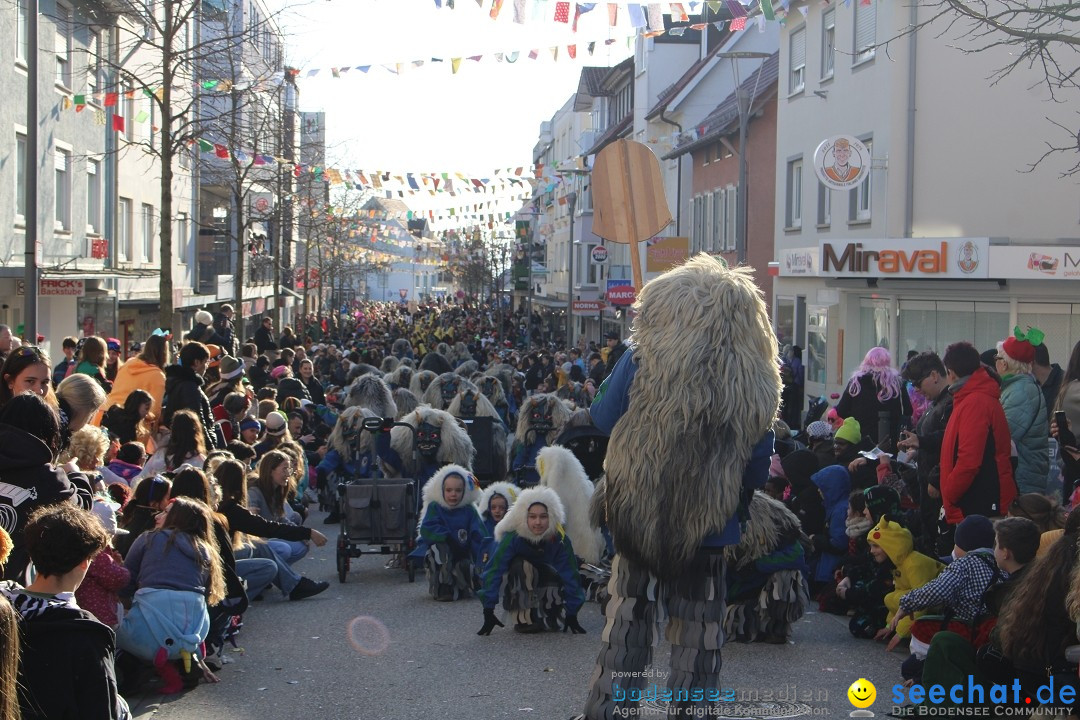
[
  {"x": 678, "y": 181},
  {"x": 909, "y": 179}
]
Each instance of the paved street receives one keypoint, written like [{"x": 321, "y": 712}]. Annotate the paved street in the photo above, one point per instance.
[{"x": 299, "y": 663}]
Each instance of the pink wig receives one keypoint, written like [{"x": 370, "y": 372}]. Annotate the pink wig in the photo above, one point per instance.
[{"x": 877, "y": 364}]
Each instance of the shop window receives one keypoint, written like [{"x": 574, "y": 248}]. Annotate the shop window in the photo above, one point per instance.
[{"x": 817, "y": 335}]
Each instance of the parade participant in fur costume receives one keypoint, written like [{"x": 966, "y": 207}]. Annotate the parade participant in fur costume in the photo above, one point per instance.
[
  {"x": 440, "y": 440},
  {"x": 495, "y": 502},
  {"x": 561, "y": 471},
  {"x": 451, "y": 536},
  {"x": 690, "y": 407},
  {"x": 421, "y": 379},
  {"x": 351, "y": 453},
  {"x": 533, "y": 560},
  {"x": 388, "y": 365},
  {"x": 405, "y": 401},
  {"x": 436, "y": 363},
  {"x": 400, "y": 378},
  {"x": 492, "y": 388},
  {"x": 541, "y": 420},
  {"x": 372, "y": 393},
  {"x": 467, "y": 368},
  {"x": 443, "y": 389},
  {"x": 401, "y": 349},
  {"x": 471, "y": 404},
  {"x": 767, "y": 580},
  {"x": 360, "y": 370}
]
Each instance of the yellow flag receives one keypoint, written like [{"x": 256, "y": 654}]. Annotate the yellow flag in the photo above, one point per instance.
[{"x": 455, "y": 63}]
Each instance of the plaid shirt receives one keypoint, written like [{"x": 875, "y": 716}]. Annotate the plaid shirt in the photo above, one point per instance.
[{"x": 960, "y": 587}]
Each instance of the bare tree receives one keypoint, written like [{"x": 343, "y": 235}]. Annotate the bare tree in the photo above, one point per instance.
[
  {"x": 161, "y": 50},
  {"x": 1042, "y": 36}
]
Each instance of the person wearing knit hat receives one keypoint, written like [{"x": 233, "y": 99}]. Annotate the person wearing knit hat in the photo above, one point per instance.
[
  {"x": 230, "y": 367},
  {"x": 850, "y": 432},
  {"x": 1025, "y": 408},
  {"x": 819, "y": 430},
  {"x": 276, "y": 424},
  {"x": 881, "y": 500},
  {"x": 250, "y": 429},
  {"x": 973, "y": 532},
  {"x": 203, "y": 317}
]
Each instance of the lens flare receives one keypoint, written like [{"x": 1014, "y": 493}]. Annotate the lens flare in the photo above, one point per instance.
[{"x": 368, "y": 636}]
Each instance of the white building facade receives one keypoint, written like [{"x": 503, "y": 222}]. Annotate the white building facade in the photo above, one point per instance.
[{"x": 948, "y": 238}]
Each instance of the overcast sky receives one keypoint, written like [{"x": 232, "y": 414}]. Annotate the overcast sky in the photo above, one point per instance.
[{"x": 428, "y": 119}]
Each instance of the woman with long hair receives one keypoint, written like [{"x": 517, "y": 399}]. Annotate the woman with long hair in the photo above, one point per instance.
[
  {"x": 252, "y": 536},
  {"x": 314, "y": 387},
  {"x": 186, "y": 446},
  {"x": 176, "y": 575},
  {"x": 1068, "y": 399},
  {"x": 146, "y": 372},
  {"x": 79, "y": 397},
  {"x": 874, "y": 388},
  {"x": 92, "y": 359},
  {"x": 26, "y": 370},
  {"x": 268, "y": 498}
]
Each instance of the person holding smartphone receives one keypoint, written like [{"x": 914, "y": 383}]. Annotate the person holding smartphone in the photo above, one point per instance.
[{"x": 927, "y": 374}]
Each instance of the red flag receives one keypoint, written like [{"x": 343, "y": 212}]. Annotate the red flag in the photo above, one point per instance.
[
  {"x": 738, "y": 23},
  {"x": 571, "y": 51},
  {"x": 562, "y": 12},
  {"x": 110, "y": 99},
  {"x": 221, "y": 151},
  {"x": 118, "y": 122}
]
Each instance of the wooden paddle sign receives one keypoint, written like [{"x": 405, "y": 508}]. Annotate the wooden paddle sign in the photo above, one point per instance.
[{"x": 629, "y": 204}]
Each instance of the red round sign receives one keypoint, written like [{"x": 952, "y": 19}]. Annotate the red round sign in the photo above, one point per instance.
[
  {"x": 599, "y": 255},
  {"x": 262, "y": 204}
]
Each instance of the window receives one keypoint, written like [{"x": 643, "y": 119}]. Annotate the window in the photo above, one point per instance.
[
  {"x": 20, "y": 177},
  {"x": 123, "y": 230},
  {"x": 718, "y": 221},
  {"x": 732, "y": 216},
  {"x": 865, "y": 31},
  {"x": 62, "y": 165},
  {"x": 824, "y": 205},
  {"x": 93, "y": 196},
  {"x": 126, "y": 109},
  {"x": 63, "y": 45},
  {"x": 860, "y": 204},
  {"x": 794, "y": 194},
  {"x": 797, "y": 76},
  {"x": 828, "y": 43},
  {"x": 148, "y": 232},
  {"x": 697, "y": 210},
  {"x": 93, "y": 63},
  {"x": 182, "y": 241},
  {"x": 22, "y": 23},
  {"x": 707, "y": 223}
]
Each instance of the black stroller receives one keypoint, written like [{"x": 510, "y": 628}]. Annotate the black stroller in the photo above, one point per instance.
[{"x": 378, "y": 514}]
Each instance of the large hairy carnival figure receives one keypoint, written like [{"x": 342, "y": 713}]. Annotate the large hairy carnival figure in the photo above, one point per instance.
[
  {"x": 541, "y": 421},
  {"x": 372, "y": 393},
  {"x": 489, "y": 466},
  {"x": 690, "y": 407},
  {"x": 440, "y": 440},
  {"x": 443, "y": 389}
]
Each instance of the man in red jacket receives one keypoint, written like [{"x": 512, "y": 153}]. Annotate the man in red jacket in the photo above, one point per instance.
[{"x": 976, "y": 473}]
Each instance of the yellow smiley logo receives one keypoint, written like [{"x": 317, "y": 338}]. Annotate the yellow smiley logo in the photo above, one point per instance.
[{"x": 862, "y": 693}]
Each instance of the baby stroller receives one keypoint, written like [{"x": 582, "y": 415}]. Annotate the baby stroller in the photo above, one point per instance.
[{"x": 378, "y": 514}]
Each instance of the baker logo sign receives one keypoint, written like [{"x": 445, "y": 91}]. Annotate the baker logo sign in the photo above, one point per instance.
[{"x": 968, "y": 259}]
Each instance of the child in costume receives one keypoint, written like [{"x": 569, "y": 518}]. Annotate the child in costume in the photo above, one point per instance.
[
  {"x": 351, "y": 455},
  {"x": 889, "y": 540},
  {"x": 533, "y": 560},
  {"x": 495, "y": 502},
  {"x": 176, "y": 573},
  {"x": 831, "y": 545},
  {"x": 451, "y": 536}
]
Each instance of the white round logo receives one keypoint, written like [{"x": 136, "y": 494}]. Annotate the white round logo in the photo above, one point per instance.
[
  {"x": 262, "y": 204},
  {"x": 841, "y": 162},
  {"x": 600, "y": 255}
]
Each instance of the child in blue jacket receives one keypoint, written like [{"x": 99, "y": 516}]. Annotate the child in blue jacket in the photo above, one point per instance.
[
  {"x": 533, "y": 561},
  {"x": 831, "y": 545},
  {"x": 494, "y": 504},
  {"x": 451, "y": 537}
]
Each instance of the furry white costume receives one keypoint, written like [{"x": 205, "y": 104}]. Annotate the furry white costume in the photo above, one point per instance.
[
  {"x": 472, "y": 404},
  {"x": 421, "y": 379},
  {"x": 443, "y": 389},
  {"x": 690, "y": 414},
  {"x": 361, "y": 369},
  {"x": 541, "y": 421},
  {"x": 561, "y": 471},
  {"x": 374, "y": 394},
  {"x": 405, "y": 401},
  {"x": 451, "y": 445},
  {"x": 401, "y": 377}
]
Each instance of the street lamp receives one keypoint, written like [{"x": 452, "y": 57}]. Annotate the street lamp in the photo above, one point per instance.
[
  {"x": 571, "y": 200},
  {"x": 744, "y": 118}
]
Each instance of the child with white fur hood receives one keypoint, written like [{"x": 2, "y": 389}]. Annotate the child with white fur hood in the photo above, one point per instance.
[
  {"x": 533, "y": 560},
  {"x": 496, "y": 501},
  {"x": 451, "y": 536}
]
